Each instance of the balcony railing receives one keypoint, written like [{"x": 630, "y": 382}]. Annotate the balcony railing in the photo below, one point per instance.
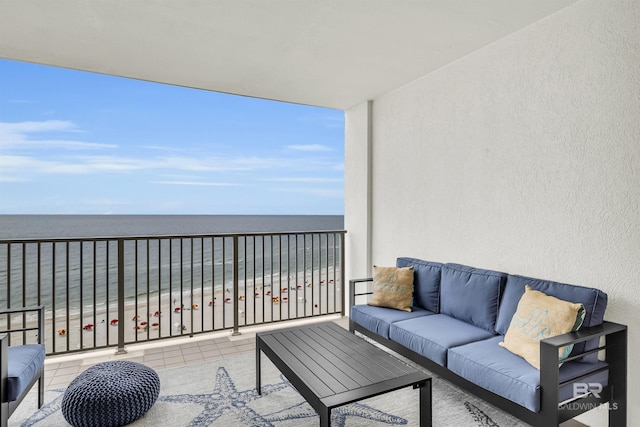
[{"x": 114, "y": 291}]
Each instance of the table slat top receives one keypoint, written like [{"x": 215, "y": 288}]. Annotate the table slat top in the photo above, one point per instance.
[{"x": 333, "y": 361}]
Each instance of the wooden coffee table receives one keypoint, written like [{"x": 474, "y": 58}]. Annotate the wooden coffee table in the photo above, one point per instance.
[{"x": 331, "y": 367}]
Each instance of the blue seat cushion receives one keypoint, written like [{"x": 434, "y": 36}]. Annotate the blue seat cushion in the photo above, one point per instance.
[
  {"x": 426, "y": 282},
  {"x": 24, "y": 364},
  {"x": 593, "y": 300},
  {"x": 471, "y": 294},
  {"x": 378, "y": 319},
  {"x": 496, "y": 369},
  {"x": 432, "y": 336}
]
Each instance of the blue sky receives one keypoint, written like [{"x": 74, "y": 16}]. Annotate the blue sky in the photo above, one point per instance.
[{"x": 83, "y": 143}]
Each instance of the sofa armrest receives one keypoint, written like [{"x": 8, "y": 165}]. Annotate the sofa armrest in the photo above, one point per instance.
[
  {"x": 584, "y": 334},
  {"x": 615, "y": 348},
  {"x": 352, "y": 290}
]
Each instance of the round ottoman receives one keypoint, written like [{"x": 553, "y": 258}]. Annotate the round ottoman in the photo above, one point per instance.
[{"x": 110, "y": 394}]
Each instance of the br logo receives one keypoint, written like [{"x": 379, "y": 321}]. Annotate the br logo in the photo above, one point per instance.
[{"x": 580, "y": 389}]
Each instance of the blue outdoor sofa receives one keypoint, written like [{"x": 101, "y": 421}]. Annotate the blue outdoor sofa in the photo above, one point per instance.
[{"x": 460, "y": 314}]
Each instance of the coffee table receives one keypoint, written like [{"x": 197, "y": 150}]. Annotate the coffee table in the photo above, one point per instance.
[{"x": 331, "y": 367}]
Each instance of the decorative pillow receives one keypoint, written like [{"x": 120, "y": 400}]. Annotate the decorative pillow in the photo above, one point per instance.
[
  {"x": 392, "y": 287},
  {"x": 537, "y": 317}
]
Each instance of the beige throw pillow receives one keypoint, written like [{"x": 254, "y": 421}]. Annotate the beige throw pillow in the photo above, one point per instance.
[
  {"x": 537, "y": 317},
  {"x": 393, "y": 287}
]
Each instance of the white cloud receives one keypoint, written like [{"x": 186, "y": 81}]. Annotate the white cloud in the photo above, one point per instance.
[
  {"x": 235, "y": 164},
  {"x": 21, "y": 161},
  {"x": 11, "y": 178},
  {"x": 31, "y": 126},
  {"x": 310, "y": 179},
  {"x": 196, "y": 183},
  {"x": 307, "y": 191},
  {"x": 165, "y": 148},
  {"x": 180, "y": 176},
  {"x": 309, "y": 147},
  {"x": 30, "y": 165},
  {"x": 65, "y": 144},
  {"x": 19, "y": 135},
  {"x": 25, "y": 165}
]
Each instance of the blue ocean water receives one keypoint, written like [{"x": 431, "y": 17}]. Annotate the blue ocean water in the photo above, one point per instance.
[
  {"x": 69, "y": 226},
  {"x": 161, "y": 265}
]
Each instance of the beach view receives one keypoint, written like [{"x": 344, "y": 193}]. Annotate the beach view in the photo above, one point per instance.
[
  {"x": 172, "y": 284},
  {"x": 136, "y": 211}
]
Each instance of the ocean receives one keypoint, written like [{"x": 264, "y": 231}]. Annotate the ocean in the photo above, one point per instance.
[
  {"x": 85, "y": 274},
  {"x": 70, "y": 226}
]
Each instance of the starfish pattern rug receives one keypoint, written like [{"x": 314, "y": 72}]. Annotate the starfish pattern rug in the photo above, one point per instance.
[{"x": 223, "y": 393}]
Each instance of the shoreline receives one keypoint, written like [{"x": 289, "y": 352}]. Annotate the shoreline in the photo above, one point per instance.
[{"x": 203, "y": 309}]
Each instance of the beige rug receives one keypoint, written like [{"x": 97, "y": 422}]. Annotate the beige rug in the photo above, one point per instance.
[{"x": 223, "y": 394}]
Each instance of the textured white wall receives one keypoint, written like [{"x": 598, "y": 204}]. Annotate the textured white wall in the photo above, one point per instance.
[
  {"x": 523, "y": 157},
  {"x": 357, "y": 183}
]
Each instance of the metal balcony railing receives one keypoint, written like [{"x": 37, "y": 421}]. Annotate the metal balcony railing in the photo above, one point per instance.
[{"x": 114, "y": 291}]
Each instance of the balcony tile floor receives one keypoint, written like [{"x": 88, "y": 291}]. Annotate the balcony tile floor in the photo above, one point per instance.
[{"x": 61, "y": 370}]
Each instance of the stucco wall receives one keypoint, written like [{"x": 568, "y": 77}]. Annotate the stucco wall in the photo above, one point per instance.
[
  {"x": 523, "y": 157},
  {"x": 358, "y": 205}
]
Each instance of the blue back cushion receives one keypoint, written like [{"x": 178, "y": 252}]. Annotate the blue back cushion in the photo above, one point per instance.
[
  {"x": 471, "y": 294},
  {"x": 426, "y": 282},
  {"x": 594, "y": 301}
]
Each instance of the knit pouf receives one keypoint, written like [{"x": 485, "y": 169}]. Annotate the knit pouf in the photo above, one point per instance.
[{"x": 110, "y": 394}]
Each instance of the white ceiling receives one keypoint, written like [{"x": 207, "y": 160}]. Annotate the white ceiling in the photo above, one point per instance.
[{"x": 329, "y": 53}]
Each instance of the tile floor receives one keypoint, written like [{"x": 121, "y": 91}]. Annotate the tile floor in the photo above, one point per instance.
[{"x": 61, "y": 370}]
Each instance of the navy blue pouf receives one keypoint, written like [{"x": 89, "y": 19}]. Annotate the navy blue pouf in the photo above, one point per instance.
[{"x": 110, "y": 394}]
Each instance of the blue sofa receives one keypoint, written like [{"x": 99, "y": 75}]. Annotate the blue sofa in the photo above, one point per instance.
[{"x": 460, "y": 314}]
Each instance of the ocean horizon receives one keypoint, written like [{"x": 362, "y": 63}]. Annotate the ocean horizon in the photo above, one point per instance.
[{"x": 90, "y": 226}]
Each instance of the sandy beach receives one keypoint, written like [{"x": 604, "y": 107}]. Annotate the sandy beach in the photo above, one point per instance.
[{"x": 202, "y": 308}]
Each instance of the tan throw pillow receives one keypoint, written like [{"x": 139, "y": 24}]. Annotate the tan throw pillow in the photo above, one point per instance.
[
  {"x": 537, "y": 317},
  {"x": 392, "y": 287}
]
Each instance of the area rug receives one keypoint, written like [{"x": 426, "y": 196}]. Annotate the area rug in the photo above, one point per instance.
[{"x": 223, "y": 394}]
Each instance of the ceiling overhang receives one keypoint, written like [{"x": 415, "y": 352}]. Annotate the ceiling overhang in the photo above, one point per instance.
[{"x": 333, "y": 54}]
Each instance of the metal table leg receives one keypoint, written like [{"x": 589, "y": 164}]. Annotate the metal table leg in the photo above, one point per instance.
[
  {"x": 258, "y": 376},
  {"x": 425, "y": 403}
]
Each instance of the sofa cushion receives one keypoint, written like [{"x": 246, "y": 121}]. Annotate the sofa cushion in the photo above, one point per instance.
[
  {"x": 537, "y": 317},
  {"x": 432, "y": 336},
  {"x": 593, "y": 300},
  {"x": 392, "y": 287},
  {"x": 426, "y": 282},
  {"x": 378, "y": 319},
  {"x": 494, "y": 368},
  {"x": 471, "y": 294},
  {"x": 25, "y": 362}
]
